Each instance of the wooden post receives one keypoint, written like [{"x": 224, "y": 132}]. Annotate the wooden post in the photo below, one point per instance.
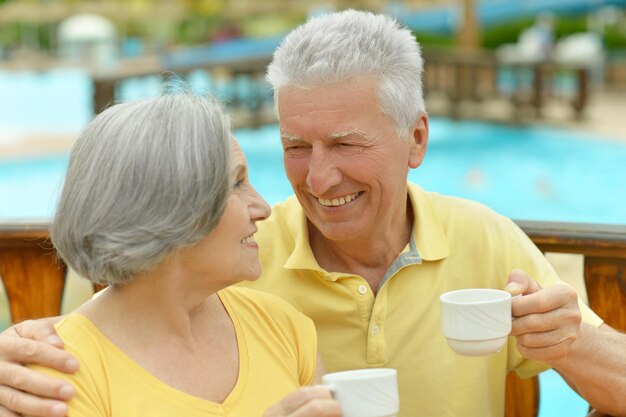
[
  {"x": 521, "y": 397},
  {"x": 582, "y": 93},
  {"x": 32, "y": 278},
  {"x": 605, "y": 279},
  {"x": 468, "y": 36},
  {"x": 103, "y": 95}
]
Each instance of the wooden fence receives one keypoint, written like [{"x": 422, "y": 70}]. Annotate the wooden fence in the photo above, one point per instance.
[{"x": 460, "y": 77}]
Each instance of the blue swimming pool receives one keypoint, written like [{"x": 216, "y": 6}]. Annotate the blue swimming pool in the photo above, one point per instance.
[{"x": 536, "y": 173}]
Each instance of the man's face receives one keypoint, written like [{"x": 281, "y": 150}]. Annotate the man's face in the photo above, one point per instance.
[{"x": 344, "y": 159}]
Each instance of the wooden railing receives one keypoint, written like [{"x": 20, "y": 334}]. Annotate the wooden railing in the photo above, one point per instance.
[
  {"x": 34, "y": 280},
  {"x": 106, "y": 82},
  {"x": 472, "y": 77},
  {"x": 460, "y": 77}
]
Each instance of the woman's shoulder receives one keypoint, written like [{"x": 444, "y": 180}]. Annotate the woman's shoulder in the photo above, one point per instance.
[
  {"x": 80, "y": 336},
  {"x": 242, "y": 296},
  {"x": 264, "y": 309}
]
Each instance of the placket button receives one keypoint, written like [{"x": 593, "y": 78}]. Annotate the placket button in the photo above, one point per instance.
[
  {"x": 362, "y": 289},
  {"x": 375, "y": 330}
]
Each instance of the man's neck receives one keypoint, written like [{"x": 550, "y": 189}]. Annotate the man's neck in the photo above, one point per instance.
[{"x": 367, "y": 256}]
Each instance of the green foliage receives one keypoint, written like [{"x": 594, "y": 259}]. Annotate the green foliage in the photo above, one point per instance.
[
  {"x": 435, "y": 40},
  {"x": 615, "y": 38},
  {"x": 197, "y": 29},
  {"x": 509, "y": 32},
  {"x": 9, "y": 35},
  {"x": 12, "y": 34},
  {"x": 506, "y": 32},
  {"x": 568, "y": 25}
]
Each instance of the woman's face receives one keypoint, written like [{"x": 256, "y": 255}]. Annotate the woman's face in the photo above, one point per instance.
[{"x": 229, "y": 253}]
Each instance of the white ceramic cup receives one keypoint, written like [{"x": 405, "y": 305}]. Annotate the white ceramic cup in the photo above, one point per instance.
[
  {"x": 365, "y": 392},
  {"x": 476, "y": 321}
]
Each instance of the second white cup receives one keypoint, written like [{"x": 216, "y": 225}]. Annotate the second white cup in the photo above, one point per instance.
[
  {"x": 476, "y": 321},
  {"x": 365, "y": 392}
]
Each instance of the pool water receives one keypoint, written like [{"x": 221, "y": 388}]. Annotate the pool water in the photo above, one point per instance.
[{"x": 535, "y": 173}]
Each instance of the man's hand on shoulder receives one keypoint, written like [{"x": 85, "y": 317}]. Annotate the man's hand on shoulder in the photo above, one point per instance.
[{"x": 24, "y": 391}]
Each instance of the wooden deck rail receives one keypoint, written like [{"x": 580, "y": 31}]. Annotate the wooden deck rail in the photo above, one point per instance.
[
  {"x": 461, "y": 77},
  {"x": 473, "y": 77},
  {"x": 105, "y": 82},
  {"x": 34, "y": 281}
]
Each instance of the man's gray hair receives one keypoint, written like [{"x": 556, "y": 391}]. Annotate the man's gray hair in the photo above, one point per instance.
[
  {"x": 344, "y": 45},
  {"x": 143, "y": 179}
]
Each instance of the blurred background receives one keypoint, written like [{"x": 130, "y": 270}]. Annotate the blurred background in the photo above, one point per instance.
[{"x": 527, "y": 100}]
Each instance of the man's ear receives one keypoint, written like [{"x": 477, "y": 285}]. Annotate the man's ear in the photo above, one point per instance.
[{"x": 419, "y": 141}]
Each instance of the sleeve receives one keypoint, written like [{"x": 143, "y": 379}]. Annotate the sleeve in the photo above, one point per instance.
[
  {"x": 523, "y": 254},
  {"x": 88, "y": 381},
  {"x": 306, "y": 343}
]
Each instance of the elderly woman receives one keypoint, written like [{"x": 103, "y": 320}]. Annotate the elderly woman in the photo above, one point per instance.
[{"x": 157, "y": 205}]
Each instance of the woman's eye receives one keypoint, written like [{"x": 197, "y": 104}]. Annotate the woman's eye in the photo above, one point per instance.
[{"x": 238, "y": 183}]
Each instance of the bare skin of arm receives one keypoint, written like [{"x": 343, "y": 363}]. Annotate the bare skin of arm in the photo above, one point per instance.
[{"x": 548, "y": 328}]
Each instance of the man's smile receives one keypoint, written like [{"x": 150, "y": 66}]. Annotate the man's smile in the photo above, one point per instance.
[{"x": 336, "y": 202}]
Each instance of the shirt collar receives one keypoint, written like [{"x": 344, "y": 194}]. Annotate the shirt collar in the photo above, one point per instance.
[{"x": 428, "y": 234}]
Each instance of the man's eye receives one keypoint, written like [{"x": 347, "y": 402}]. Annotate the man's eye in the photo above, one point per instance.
[
  {"x": 350, "y": 147},
  {"x": 295, "y": 148}
]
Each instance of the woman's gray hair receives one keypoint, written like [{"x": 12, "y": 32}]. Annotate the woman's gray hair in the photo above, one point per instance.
[
  {"x": 344, "y": 45},
  {"x": 143, "y": 179}
]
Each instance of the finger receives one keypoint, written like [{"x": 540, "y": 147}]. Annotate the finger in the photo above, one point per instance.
[
  {"x": 547, "y": 299},
  {"x": 42, "y": 330},
  {"x": 547, "y": 353},
  {"x": 22, "y": 402},
  {"x": 545, "y": 339},
  {"x": 297, "y": 399},
  {"x": 5, "y": 412},
  {"x": 519, "y": 282},
  {"x": 304, "y": 395},
  {"x": 28, "y": 351},
  {"x": 318, "y": 408},
  {"x": 24, "y": 379},
  {"x": 544, "y": 322}
]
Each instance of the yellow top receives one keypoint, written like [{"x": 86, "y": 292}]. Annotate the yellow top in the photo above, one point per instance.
[
  {"x": 455, "y": 244},
  {"x": 277, "y": 354}
]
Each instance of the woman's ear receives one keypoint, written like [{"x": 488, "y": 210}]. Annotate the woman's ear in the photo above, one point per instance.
[{"x": 419, "y": 141}]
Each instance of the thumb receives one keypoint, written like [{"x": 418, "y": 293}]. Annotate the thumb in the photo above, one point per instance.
[{"x": 519, "y": 282}]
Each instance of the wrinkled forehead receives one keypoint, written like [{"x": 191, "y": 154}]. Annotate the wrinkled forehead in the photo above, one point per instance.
[{"x": 237, "y": 157}]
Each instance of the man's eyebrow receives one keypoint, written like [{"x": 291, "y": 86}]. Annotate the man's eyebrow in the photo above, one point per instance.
[
  {"x": 289, "y": 138},
  {"x": 343, "y": 134}
]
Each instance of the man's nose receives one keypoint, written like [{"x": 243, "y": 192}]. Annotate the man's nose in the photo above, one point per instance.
[{"x": 323, "y": 171}]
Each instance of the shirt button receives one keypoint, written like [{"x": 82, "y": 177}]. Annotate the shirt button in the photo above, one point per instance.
[
  {"x": 362, "y": 289},
  {"x": 375, "y": 329}
]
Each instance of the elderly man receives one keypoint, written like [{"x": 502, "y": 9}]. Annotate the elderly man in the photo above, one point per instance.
[{"x": 366, "y": 255}]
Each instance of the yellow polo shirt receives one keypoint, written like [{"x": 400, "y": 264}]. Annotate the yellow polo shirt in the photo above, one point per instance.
[{"x": 455, "y": 244}]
